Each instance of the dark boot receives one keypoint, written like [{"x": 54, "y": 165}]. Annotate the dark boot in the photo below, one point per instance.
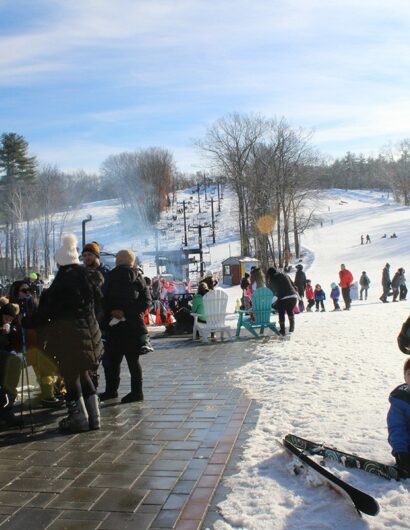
[
  {"x": 282, "y": 329},
  {"x": 77, "y": 419},
  {"x": 291, "y": 324}
]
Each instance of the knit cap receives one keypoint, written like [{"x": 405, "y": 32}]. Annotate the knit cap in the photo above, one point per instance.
[
  {"x": 125, "y": 257},
  {"x": 68, "y": 253},
  {"x": 11, "y": 310},
  {"x": 93, "y": 248}
]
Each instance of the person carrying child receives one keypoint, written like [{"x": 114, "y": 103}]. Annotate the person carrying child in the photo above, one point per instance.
[
  {"x": 398, "y": 423},
  {"x": 335, "y": 295},
  {"x": 320, "y": 297},
  {"x": 310, "y": 296}
]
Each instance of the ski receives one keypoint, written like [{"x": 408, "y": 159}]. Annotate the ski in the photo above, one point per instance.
[
  {"x": 363, "y": 502},
  {"x": 348, "y": 460}
]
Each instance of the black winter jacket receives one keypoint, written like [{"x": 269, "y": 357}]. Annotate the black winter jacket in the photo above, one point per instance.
[
  {"x": 67, "y": 318},
  {"x": 128, "y": 292},
  {"x": 280, "y": 284},
  {"x": 300, "y": 280}
]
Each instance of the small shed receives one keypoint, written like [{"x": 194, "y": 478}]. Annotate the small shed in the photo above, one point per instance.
[{"x": 234, "y": 268}]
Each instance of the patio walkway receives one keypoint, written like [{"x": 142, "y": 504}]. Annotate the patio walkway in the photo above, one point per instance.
[{"x": 153, "y": 465}]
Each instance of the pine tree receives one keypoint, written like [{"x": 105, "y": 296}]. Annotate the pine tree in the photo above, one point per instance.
[{"x": 15, "y": 162}]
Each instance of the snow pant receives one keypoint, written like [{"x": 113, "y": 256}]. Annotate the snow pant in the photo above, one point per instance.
[
  {"x": 363, "y": 290},
  {"x": 322, "y": 305},
  {"x": 310, "y": 303},
  {"x": 346, "y": 296},
  {"x": 78, "y": 384},
  {"x": 386, "y": 293},
  {"x": 396, "y": 291},
  {"x": 403, "y": 292},
  {"x": 286, "y": 306},
  {"x": 336, "y": 305},
  {"x": 112, "y": 369}
]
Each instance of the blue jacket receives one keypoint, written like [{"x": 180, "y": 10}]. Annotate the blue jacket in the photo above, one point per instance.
[
  {"x": 398, "y": 420},
  {"x": 335, "y": 293},
  {"x": 319, "y": 295}
]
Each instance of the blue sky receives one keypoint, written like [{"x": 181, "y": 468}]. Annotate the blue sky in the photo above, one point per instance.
[{"x": 83, "y": 79}]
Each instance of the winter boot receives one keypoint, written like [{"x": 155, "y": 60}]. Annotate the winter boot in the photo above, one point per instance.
[
  {"x": 135, "y": 394},
  {"x": 77, "y": 419},
  {"x": 291, "y": 324},
  {"x": 92, "y": 404},
  {"x": 282, "y": 329}
]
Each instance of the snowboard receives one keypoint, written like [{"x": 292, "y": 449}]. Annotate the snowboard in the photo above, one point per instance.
[
  {"x": 363, "y": 502},
  {"x": 346, "y": 459}
]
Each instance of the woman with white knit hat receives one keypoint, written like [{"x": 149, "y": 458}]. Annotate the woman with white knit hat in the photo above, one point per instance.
[{"x": 73, "y": 335}]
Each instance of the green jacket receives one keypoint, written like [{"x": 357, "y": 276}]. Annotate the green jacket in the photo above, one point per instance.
[{"x": 198, "y": 306}]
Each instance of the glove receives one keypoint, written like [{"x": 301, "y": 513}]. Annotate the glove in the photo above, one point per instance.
[{"x": 403, "y": 463}]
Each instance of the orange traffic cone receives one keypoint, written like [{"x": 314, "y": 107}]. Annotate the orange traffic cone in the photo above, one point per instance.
[
  {"x": 168, "y": 321},
  {"x": 158, "y": 319},
  {"x": 146, "y": 318}
]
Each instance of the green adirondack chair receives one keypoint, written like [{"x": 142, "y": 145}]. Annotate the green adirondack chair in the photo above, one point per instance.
[{"x": 261, "y": 311}]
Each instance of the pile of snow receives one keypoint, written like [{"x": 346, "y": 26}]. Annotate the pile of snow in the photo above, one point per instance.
[{"x": 329, "y": 383}]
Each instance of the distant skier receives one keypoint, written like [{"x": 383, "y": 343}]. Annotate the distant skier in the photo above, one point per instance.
[
  {"x": 362, "y": 239},
  {"x": 364, "y": 283},
  {"x": 368, "y": 240},
  {"x": 300, "y": 282},
  {"x": 397, "y": 282},
  {"x": 335, "y": 295},
  {"x": 398, "y": 423},
  {"x": 386, "y": 283},
  {"x": 346, "y": 280}
]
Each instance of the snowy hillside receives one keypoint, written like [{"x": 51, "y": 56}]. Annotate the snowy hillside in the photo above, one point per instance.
[{"x": 330, "y": 382}]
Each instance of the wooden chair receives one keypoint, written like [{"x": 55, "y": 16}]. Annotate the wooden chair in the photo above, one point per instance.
[
  {"x": 215, "y": 303},
  {"x": 259, "y": 316}
]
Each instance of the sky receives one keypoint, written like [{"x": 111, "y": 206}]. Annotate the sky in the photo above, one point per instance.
[{"x": 84, "y": 79}]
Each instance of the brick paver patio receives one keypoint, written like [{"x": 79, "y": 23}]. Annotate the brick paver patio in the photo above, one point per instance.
[{"x": 154, "y": 465}]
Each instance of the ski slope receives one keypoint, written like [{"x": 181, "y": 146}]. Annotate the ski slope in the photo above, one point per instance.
[{"x": 329, "y": 383}]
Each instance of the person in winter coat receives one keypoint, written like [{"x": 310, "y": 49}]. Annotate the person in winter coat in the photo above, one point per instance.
[
  {"x": 386, "y": 283},
  {"x": 398, "y": 423},
  {"x": 310, "y": 295},
  {"x": 66, "y": 314},
  {"x": 397, "y": 282},
  {"x": 126, "y": 299},
  {"x": 92, "y": 260},
  {"x": 346, "y": 280},
  {"x": 210, "y": 280},
  {"x": 198, "y": 302},
  {"x": 364, "y": 283},
  {"x": 10, "y": 363},
  {"x": 403, "y": 288},
  {"x": 282, "y": 287},
  {"x": 320, "y": 298},
  {"x": 335, "y": 295},
  {"x": 300, "y": 282}
]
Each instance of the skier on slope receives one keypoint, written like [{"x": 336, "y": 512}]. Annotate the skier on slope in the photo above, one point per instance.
[{"x": 398, "y": 423}]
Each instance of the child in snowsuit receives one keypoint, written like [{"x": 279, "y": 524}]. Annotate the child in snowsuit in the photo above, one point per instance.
[
  {"x": 335, "y": 295},
  {"x": 320, "y": 297},
  {"x": 310, "y": 296},
  {"x": 398, "y": 423}
]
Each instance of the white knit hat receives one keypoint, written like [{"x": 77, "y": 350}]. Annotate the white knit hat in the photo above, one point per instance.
[{"x": 68, "y": 253}]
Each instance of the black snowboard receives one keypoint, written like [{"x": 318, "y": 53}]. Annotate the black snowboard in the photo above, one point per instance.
[
  {"x": 346, "y": 459},
  {"x": 362, "y": 501}
]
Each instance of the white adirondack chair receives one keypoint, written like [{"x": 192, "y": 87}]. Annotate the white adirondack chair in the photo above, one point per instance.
[{"x": 215, "y": 303}]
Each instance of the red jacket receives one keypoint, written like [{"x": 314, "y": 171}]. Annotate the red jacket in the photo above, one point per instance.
[
  {"x": 346, "y": 278},
  {"x": 309, "y": 292}
]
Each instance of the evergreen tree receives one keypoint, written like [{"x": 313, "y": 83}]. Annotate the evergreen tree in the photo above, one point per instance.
[{"x": 15, "y": 162}]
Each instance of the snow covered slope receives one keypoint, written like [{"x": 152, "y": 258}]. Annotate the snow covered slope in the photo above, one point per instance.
[{"x": 329, "y": 383}]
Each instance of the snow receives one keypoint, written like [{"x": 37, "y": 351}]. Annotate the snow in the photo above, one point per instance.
[{"x": 330, "y": 382}]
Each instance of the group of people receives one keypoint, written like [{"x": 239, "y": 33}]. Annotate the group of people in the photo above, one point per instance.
[
  {"x": 395, "y": 287},
  {"x": 87, "y": 315}
]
